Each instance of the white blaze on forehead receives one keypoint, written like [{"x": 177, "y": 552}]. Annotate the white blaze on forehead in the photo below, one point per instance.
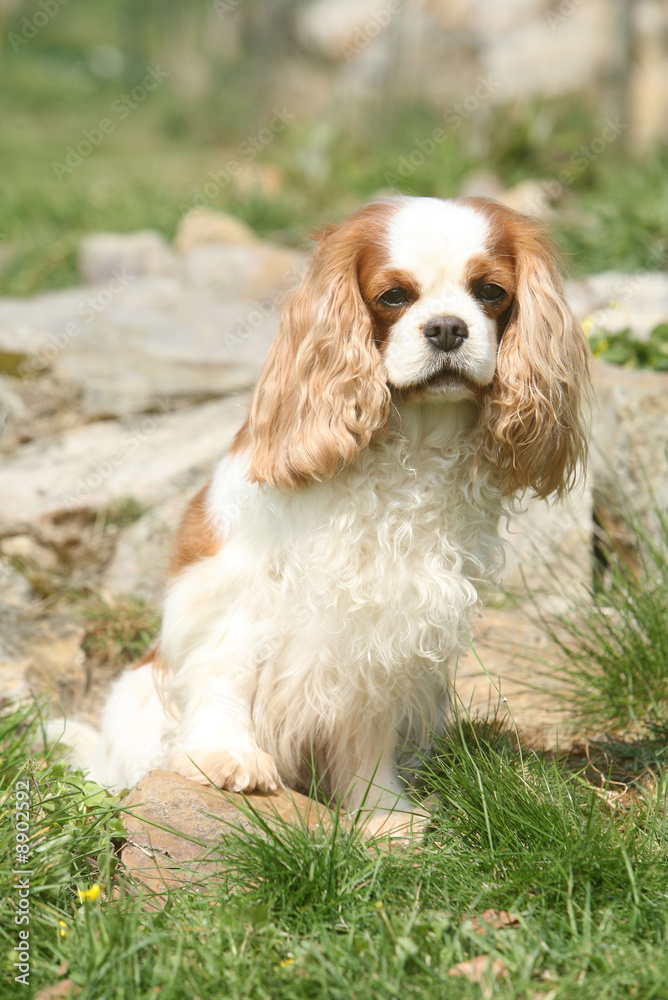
[{"x": 435, "y": 239}]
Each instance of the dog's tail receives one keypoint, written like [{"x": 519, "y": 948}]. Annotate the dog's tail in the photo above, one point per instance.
[{"x": 79, "y": 740}]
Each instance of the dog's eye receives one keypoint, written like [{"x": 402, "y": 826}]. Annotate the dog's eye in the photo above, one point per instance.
[
  {"x": 490, "y": 293},
  {"x": 395, "y": 297}
]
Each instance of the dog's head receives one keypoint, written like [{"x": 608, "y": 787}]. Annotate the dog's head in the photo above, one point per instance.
[{"x": 434, "y": 301}]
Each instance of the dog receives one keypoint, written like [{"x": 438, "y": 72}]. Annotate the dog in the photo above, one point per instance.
[{"x": 427, "y": 371}]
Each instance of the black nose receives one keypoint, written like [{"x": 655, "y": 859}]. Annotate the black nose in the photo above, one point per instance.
[{"x": 446, "y": 332}]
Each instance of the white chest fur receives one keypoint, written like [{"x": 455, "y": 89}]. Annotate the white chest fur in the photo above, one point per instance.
[{"x": 343, "y": 599}]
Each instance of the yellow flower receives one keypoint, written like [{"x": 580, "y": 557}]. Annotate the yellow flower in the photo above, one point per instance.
[
  {"x": 588, "y": 325},
  {"x": 89, "y": 894},
  {"x": 287, "y": 961},
  {"x": 62, "y": 928}
]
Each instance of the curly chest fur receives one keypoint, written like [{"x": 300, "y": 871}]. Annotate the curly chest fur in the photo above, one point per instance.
[{"x": 378, "y": 568}]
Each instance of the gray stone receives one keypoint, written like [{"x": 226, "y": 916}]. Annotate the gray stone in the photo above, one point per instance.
[
  {"x": 549, "y": 548},
  {"x": 15, "y": 591},
  {"x": 256, "y": 271},
  {"x": 16, "y": 599},
  {"x": 510, "y": 673},
  {"x": 615, "y": 301},
  {"x": 29, "y": 325},
  {"x": 12, "y": 407},
  {"x": 91, "y": 466},
  {"x": 139, "y": 565},
  {"x": 39, "y": 654},
  {"x": 151, "y": 339},
  {"x": 336, "y": 28},
  {"x": 26, "y": 548},
  {"x": 105, "y": 256},
  {"x": 630, "y": 444}
]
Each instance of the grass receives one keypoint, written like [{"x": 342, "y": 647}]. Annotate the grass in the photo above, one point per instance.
[
  {"x": 118, "y": 632},
  {"x": 622, "y": 348},
  {"x": 613, "y": 214},
  {"x": 614, "y": 647},
  {"x": 525, "y": 865}
]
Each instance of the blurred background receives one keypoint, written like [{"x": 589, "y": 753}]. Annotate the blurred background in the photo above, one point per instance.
[{"x": 122, "y": 114}]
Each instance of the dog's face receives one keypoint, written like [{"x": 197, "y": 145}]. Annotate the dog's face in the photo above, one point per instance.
[
  {"x": 439, "y": 300},
  {"x": 426, "y": 300}
]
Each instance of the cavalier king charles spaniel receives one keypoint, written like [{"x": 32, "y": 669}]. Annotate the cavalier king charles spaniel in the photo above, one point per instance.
[{"x": 427, "y": 369}]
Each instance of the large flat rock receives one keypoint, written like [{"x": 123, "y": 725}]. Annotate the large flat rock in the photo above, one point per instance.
[
  {"x": 91, "y": 466},
  {"x": 150, "y": 338},
  {"x": 152, "y": 322},
  {"x": 176, "y": 828}
]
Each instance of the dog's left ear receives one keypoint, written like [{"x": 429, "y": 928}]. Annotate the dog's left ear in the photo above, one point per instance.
[
  {"x": 322, "y": 393},
  {"x": 533, "y": 420}
]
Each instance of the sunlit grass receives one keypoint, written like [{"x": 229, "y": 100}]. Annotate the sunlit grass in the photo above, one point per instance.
[
  {"x": 614, "y": 646},
  {"x": 158, "y": 160},
  {"x": 296, "y": 913}
]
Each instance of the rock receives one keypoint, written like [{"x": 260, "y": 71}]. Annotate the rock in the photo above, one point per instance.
[
  {"x": 175, "y": 827},
  {"x": 529, "y": 197},
  {"x": 12, "y": 407},
  {"x": 201, "y": 226},
  {"x": 549, "y": 548},
  {"x": 335, "y": 28},
  {"x": 39, "y": 654},
  {"x": 513, "y": 661},
  {"x": 629, "y": 451},
  {"x": 153, "y": 338},
  {"x": 91, "y": 466},
  {"x": 15, "y": 591},
  {"x": 259, "y": 270},
  {"x": 49, "y": 408},
  {"x": 139, "y": 565},
  {"x": 647, "y": 94},
  {"x": 25, "y": 324},
  {"x": 105, "y": 256},
  {"x": 57, "y": 662},
  {"x": 25, "y": 547},
  {"x": 617, "y": 301},
  {"x": 524, "y": 53}
]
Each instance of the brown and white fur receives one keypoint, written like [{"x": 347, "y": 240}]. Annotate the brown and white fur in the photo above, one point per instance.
[{"x": 427, "y": 369}]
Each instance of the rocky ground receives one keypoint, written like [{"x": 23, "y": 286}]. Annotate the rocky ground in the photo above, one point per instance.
[{"x": 118, "y": 396}]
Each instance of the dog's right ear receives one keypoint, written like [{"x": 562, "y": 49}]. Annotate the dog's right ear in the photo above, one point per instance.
[{"x": 322, "y": 393}]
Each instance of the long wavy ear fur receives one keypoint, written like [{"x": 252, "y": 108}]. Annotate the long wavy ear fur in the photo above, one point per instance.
[
  {"x": 532, "y": 420},
  {"x": 322, "y": 393}
]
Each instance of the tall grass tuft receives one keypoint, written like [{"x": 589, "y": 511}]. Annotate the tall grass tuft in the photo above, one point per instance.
[{"x": 614, "y": 649}]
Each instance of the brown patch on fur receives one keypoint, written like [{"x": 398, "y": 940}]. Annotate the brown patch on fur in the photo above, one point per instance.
[
  {"x": 322, "y": 393},
  {"x": 197, "y": 537},
  {"x": 531, "y": 422}
]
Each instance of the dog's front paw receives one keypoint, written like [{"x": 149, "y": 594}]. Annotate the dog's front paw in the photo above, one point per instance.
[{"x": 247, "y": 771}]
